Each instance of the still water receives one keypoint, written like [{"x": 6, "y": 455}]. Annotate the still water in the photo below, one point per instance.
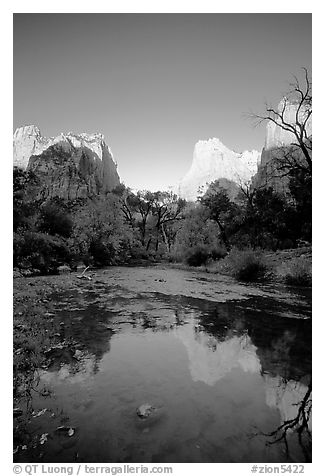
[{"x": 223, "y": 364}]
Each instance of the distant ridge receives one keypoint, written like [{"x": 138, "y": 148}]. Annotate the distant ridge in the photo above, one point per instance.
[{"x": 69, "y": 165}]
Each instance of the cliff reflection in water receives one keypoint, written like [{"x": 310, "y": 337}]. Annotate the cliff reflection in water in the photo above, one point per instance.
[
  {"x": 224, "y": 375},
  {"x": 211, "y": 359}
]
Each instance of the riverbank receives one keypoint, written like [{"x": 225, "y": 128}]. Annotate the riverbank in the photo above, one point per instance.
[{"x": 280, "y": 266}]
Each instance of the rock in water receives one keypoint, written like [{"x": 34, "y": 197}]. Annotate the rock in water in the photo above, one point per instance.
[
  {"x": 212, "y": 160},
  {"x": 64, "y": 269},
  {"x": 145, "y": 410},
  {"x": 69, "y": 166}
]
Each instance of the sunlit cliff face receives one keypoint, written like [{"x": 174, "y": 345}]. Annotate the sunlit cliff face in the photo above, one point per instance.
[
  {"x": 69, "y": 165},
  {"x": 212, "y": 160},
  {"x": 277, "y": 136}
]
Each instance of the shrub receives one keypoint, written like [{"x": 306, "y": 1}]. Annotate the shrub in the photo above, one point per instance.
[
  {"x": 298, "y": 272},
  {"x": 247, "y": 265},
  {"x": 39, "y": 251},
  {"x": 218, "y": 253},
  {"x": 197, "y": 256},
  {"x": 103, "y": 252},
  {"x": 55, "y": 220},
  {"x": 286, "y": 244},
  {"x": 138, "y": 251}
]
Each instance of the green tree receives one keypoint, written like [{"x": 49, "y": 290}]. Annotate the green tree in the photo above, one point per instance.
[
  {"x": 100, "y": 232},
  {"x": 166, "y": 208},
  {"x": 269, "y": 220},
  {"x": 223, "y": 211},
  {"x": 196, "y": 232},
  {"x": 55, "y": 219},
  {"x": 24, "y": 204}
]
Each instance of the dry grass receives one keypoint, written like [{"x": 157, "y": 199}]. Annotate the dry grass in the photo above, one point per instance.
[{"x": 297, "y": 272}]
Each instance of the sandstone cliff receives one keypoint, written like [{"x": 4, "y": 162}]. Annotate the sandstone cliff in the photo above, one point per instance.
[
  {"x": 212, "y": 160},
  {"x": 278, "y": 137},
  {"x": 69, "y": 166},
  {"x": 278, "y": 143}
]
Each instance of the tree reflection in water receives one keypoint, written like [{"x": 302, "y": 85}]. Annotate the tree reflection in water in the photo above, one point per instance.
[
  {"x": 300, "y": 424},
  {"x": 213, "y": 355},
  {"x": 241, "y": 367}
]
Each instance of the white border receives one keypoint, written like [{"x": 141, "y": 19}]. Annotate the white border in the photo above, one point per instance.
[{"x": 203, "y": 6}]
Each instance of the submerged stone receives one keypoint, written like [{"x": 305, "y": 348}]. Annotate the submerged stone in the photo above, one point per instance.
[
  {"x": 64, "y": 269},
  {"x": 145, "y": 410}
]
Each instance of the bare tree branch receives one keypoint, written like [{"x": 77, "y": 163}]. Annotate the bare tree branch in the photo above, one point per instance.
[{"x": 300, "y": 96}]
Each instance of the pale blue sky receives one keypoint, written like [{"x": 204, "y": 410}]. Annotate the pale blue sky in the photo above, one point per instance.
[{"x": 155, "y": 84}]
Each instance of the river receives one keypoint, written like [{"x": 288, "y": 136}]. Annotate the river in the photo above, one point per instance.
[{"x": 222, "y": 364}]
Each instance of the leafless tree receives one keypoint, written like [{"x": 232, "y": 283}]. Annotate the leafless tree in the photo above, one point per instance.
[{"x": 298, "y": 155}]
